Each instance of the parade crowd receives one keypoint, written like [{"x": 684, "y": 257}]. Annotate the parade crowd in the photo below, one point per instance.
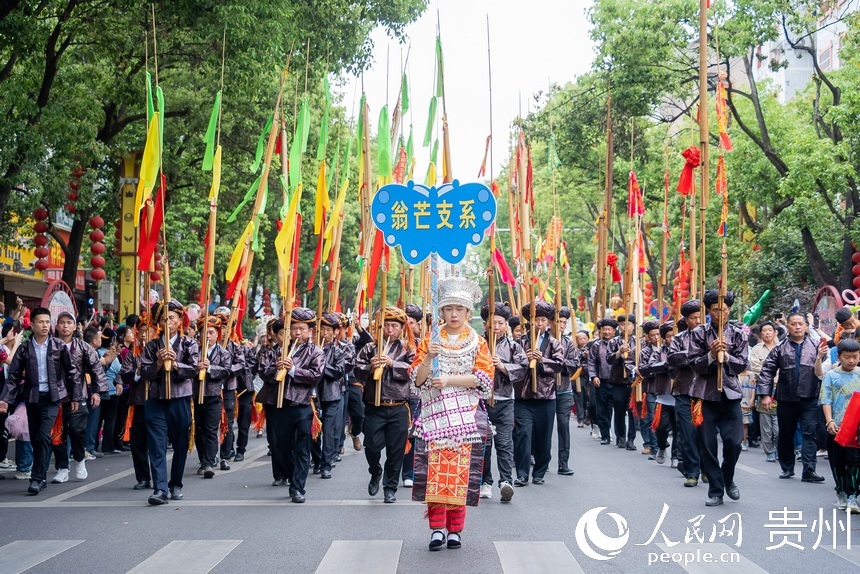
[{"x": 439, "y": 410}]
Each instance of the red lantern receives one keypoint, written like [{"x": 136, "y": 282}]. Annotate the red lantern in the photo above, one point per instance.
[
  {"x": 97, "y": 274},
  {"x": 42, "y": 252},
  {"x": 117, "y": 245},
  {"x": 96, "y": 235},
  {"x": 158, "y": 266},
  {"x": 78, "y": 172},
  {"x": 75, "y": 185},
  {"x": 40, "y": 240},
  {"x": 40, "y": 227},
  {"x": 856, "y": 282},
  {"x": 117, "y": 223},
  {"x": 42, "y": 264},
  {"x": 97, "y": 248},
  {"x": 155, "y": 276},
  {"x": 96, "y": 222},
  {"x": 648, "y": 292},
  {"x": 649, "y": 285},
  {"x": 97, "y": 261},
  {"x": 70, "y": 208},
  {"x": 41, "y": 214},
  {"x": 117, "y": 234},
  {"x": 158, "y": 256},
  {"x": 73, "y": 196},
  {"x": 856, "y": 257}
]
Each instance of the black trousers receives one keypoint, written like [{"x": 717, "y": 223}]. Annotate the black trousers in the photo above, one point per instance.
[
  {"x": 591, "y": 409},
  {"x": 724, "y": 416},
  {"x": 355, "y": 409},
  {"x": 243, "y": 420},
  {"x": 501, "y": 415},
  {"x": 327, "y": 445},
  {"x": 687, "y": 437},
  {"x": 624, "y": 429},
  {"x": 137, "y": 440},
  {"x": 385, "y": 427},
  {"x": 289, "y": 433},
  {"x": 666, "y": 427},
  {"x": 603, "y": 407},
  {"x": 533, "y": 421},
  {"x": 121, "y": 417},
  {"x": 409, "y": 457},
  {"x": 74, "y": 433},
  {"x": 563, "y": 405},
  {"x": 229, "y": 403},
  {"x": 167, "y": 419},
  {"x": 580, "y": 400},
  {"x": 107, "y": 413},
  {"x": 40, "y": 420},
  {"x": 4, "y": 435},
  {"x": 207, "y": 419},
  {"x": 788, "y": 414}
]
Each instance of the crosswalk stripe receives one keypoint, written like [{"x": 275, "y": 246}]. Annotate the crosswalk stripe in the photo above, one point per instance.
[
  {"x": 361, "y": 556},
  {"x": 22, "y": 555},
  {"x": 187, "y": 556},
  {"x": 536, "y": 558},
  {"x": 750, "y": 469},
  {"x": 852, "y": 555},
  {"x": 722, "y": 557}
]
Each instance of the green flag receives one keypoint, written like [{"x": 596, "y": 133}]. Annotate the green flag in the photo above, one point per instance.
[
  {"x": 209, "y": 138},
  {"x": 261, "y": 145}
]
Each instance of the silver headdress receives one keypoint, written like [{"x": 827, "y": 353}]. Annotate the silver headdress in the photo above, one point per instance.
[{"x": 458, "y": 291}]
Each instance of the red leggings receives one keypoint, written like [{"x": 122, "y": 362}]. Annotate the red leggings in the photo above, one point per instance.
[{"x": 446, "y": 516}]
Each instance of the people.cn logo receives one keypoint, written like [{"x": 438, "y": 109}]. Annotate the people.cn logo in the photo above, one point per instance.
[{"x": 593, "y": 542}]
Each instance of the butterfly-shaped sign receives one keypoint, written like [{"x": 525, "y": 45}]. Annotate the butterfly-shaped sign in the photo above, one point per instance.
[{"x": 424, "y": 220}]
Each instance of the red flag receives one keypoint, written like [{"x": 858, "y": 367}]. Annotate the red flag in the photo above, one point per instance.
[
  {"x": 231, "y": 288},
  {"x": 318, "y": 253},
  {"x": 635, "y": 203},
  {"x": 375, "y": 260},
  {"x": 723, "y": 114},
  {"x": 149, "y": 237},
  {"x": 483, "y": 169},
  {"x": 504, "y": 270},
  {"x": 204, "y": 286},
  {"x": 297, "y": 238},
  {"x": 686, "y": 185}
]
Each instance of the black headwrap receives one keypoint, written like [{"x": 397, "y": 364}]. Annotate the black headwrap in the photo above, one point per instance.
[
  {"x": 564, "y": 312},
  {"x": 502, "y": 310},
  {"x": 666, "y": 328},
  {"x": 303, "y": 315},
  {"x": 414, "y": 311},
  {"x": 690, "y": 307},
  {"x": 712, "y": 297},
  {"x": 649, "y": 326},
  {"x": 542, "y": 309},
  {"x": 607, "y": 323}
]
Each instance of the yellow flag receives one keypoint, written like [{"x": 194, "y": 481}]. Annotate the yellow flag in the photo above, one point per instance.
[
  {"x": 323, "y": 203},
  {"x": 284, "y": 239},
  {"x": 334, "y": 220},
  {"x": 149, "y": 165},
  {"x": 216, "y": 176},
  {"x": 236, "y": 258},
  {"x": 431, "y": 175}
]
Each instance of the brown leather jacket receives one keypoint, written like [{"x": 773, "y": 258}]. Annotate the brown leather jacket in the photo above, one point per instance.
[
  {"x": 553, "y": 363},
  {"x": 184, "y": 367},
  {"x": 220, "y": 362},
  {"x": 309, "y": 362},
  {"x": 22, "y": 375},
  {"x": 395, "y": 380}
]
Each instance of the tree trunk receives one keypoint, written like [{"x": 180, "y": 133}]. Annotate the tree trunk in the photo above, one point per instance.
[
  {"x": 73, "y": 252},
  {"x": 820, "y": 271},
  {"x": 847, "y": 264}
]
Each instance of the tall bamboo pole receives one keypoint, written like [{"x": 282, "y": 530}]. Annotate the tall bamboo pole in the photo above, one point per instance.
[{"x": 703, "y": 136}]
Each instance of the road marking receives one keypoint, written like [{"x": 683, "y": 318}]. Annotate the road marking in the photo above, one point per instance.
[
  {"x": 536, "y": 558},
  {"x": 281, "y": 500},
  {"x": 377, "y": 556},
  {"x": 22, "y": 555},
  {"x": 187, "y": 556},
  {"x": 852, "y": 556},
  {"x": 692, "y": 559},
  {"x": 750, "y": 469}
]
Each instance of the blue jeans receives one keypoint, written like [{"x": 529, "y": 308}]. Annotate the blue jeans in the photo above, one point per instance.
[
  {"x": 23, "y": 455},
  {"x": 93, "y": 427}
]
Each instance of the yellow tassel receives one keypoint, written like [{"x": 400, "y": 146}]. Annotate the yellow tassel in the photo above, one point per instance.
[
  {"x": 658, "y": 412},
  {"x": 126, "y": 433},
  {"x": 191, "y": 430},
  {"x": 696, "y": 412},
  {"x": 316, "y": 423}
]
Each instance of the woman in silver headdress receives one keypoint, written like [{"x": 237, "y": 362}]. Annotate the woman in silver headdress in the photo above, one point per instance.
[{"x": 453, "y": 426}]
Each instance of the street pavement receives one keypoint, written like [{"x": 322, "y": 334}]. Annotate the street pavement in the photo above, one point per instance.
[{"x": 606, "y": 518}]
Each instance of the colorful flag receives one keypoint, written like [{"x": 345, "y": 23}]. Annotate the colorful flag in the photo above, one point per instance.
[{"x": 635, "y": 203}]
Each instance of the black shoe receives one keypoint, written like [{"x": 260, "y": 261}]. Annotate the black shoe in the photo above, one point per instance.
[
  {"x": 37, "y": 486},
  {"x": 630, "y": 445},
  {"x": 325, "y": 474},
  {"x": 125, "y": 448},
  {"x": 297, "y": 498},
  {"x": 208, "y": 471},
  {"x": 225, "y": 465},
  {"x": 200, "y": 469},
  {"x": 521, "y": 482},
  {"x": 373, "y": 485},
  {"x": 317, "y": 470},
  {"x": 538, "y": 480},
  {"x": 158, "y": 497},
  {"x": 437, "y": 540},
  {"x": 604, "y": 441},
  {"x": 269, "y": 452},
  {"x": 565, "y": 471},
  {"x": 733, "y": 491},
  {"x": 681, "y": 467},
  {"x": 143, "y": 485},
  {"x": 754, "y": 444},
  {"x": 389, "y": 496},
  {"x": 240, "y": 456},
  {"x": 279, "y": 482},
  {"x": 620, "y": 443},
  {"x": 811, "y": 477},
  {"x": 704, "y": 478},
  {"x": 787, "y": 474},
  {"x": 714, "y": 501},
  {"x": 338, "y": 458},
  {"x": 176, "y": 493},
  {"x": 454, "y": 540}
]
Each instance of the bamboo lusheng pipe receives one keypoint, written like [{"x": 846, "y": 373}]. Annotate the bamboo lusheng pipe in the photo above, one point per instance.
[
  {"x": 491, "y": 315},
  {"x": 556, "y": 327},
  {"x": 281, "y": 375},
  {"x": 383, "y": 301},
  {"x": 721, "y": 357},
  {"x": 379, "y": 371},
  {"x": 532, "y": 333},
  {"x": 704, "y": 135}
]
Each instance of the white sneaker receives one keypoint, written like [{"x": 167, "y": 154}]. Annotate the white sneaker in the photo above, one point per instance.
[
  {"x": 487, "y": 491},
  {"x": 507, "y": 491},
  {"x": 89, "y": 456},
  {"x": 595, "y": 433},
  {"x": 80, "y": 469},
  {"x": 851, "y": 506},
  {"x": 407, "y": 482},
  {"x": 7, "y": 464},
  {"x": 22, "y": 475},
  {"x": 62, "y": 476},
  {"x": 841, "y": 501}
]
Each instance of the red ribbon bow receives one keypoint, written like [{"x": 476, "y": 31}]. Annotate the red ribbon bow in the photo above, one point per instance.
[
  {"x": 693, "y": 157},
  {"x": 612, "y": 261}
]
